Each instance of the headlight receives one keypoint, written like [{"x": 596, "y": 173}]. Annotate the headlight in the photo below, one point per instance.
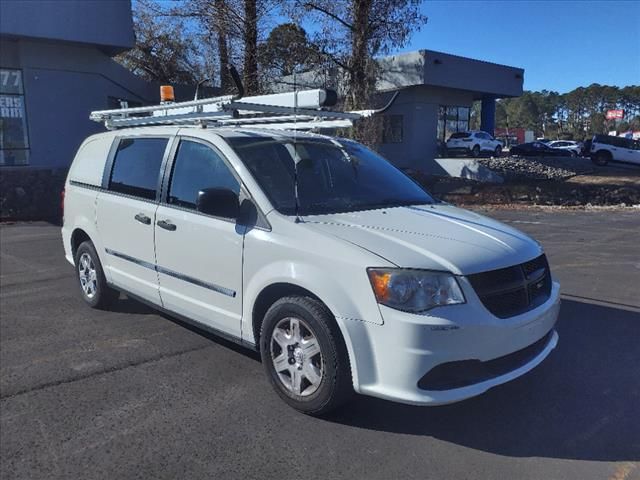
[{"x": 414, "y": 290}]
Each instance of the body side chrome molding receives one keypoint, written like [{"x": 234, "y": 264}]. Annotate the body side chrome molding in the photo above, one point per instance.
[{"x": 211, "y": 286}]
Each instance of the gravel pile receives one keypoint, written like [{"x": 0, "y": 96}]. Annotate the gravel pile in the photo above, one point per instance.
[{"x": 511, "y": 168}]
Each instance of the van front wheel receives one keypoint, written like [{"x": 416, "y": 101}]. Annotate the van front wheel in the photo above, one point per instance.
[{"x": 304, "y": 355}]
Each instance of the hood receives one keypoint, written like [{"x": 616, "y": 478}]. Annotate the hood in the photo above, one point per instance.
[{"x": 436, "y": 237}]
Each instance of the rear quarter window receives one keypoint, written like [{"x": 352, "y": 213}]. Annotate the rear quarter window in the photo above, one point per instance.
[
  {"x": 136, "y": 166},
  {"x": 460, "y": 135},
  {"x": 624, "y": 142},
  {"x": 88, "y": 165}
]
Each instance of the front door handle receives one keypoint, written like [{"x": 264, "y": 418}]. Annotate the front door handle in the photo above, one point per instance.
[
  {"x": 167, "y": 225},
  {"x": 142, "y": 218}
]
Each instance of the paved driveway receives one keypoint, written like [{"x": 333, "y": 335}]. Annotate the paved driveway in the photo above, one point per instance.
[{"x": 133, "y": 394}]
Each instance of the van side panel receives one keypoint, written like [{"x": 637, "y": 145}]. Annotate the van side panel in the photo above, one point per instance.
[
  {"x": 79, "y": 213},
  {"x": 88, "y": 165},
  {"x": 81, "y": 191}
]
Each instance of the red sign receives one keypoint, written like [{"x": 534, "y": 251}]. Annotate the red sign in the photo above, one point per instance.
[
  {"x": 510, "y": 135},
  {"x": 615, "y": 114}
]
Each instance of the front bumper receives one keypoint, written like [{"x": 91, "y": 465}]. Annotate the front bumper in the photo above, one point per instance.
[{"x": 392, "y": 359}]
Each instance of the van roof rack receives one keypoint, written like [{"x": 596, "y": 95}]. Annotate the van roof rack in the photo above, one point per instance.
[{"x": 298, "y": 110}]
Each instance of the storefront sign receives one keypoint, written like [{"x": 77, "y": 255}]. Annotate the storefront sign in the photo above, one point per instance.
[
  {"x": 615, "y": 114},
  {"x": 11, "y": 106},
  {"x": 14, "y": 139}
]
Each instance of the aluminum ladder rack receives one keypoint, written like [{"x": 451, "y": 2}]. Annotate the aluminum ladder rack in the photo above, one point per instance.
[{"x": 302, "y": 110}]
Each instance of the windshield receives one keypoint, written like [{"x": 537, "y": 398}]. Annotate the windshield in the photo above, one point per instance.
[{"x": 332, "y": 177}]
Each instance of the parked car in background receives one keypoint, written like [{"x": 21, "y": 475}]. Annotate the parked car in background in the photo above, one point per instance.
[
  {"x": 606, "y": 148},
  {"x": 574, "y": 148},
  {"x": 538, "y": 149},
  {"x": 473, "y": 143}
]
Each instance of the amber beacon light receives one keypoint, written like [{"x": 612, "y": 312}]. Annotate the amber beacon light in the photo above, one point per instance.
[{"x": 166, "y": 93}]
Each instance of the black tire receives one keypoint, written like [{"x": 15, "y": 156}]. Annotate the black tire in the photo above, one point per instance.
[
  {"x": 475, "y": 151},
  {"x": 335, "y": 386},
  {"x": 497, "y": 152},
  {"x": 102, "y": 295},
  {"x": 601, "y": 158}
]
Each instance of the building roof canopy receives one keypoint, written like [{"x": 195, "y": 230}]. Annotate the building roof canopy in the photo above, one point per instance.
[
  {"x": 106, "y": 25},
  {"x": 437, "y": 69}
]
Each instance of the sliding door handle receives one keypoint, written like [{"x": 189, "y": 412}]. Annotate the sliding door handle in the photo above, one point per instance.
[
  {"x": 142, "y": 218},
  {"x": 167, "y": 225}
]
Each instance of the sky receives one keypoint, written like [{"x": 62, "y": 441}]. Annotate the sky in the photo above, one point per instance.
[{"x": 560, "y": 44}]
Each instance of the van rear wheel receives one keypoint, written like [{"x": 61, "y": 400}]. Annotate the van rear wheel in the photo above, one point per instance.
[
  {"x": 304, "y": 355},
  {"x": 93, "y": 284}
]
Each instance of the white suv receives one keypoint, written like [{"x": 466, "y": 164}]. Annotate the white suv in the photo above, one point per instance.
[
  {"x": 606, "y": 148},
  {"x": 574, "y": 148},
  {"x": 473, "y": 143},
  {"x": 360, "y": 282}
]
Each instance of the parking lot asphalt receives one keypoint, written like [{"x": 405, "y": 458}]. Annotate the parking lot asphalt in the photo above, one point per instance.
[{"x": 134, "y": 394}]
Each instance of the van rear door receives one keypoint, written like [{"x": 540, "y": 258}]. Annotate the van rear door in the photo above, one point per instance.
[{"x": 126, "y": 212}]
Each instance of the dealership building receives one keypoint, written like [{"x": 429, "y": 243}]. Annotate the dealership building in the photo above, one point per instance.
[
  {"x": 56, "y": 66},
  {"x": 437, "y": 91}
]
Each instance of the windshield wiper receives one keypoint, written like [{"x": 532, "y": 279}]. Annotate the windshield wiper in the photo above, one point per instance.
[{"x": 392, "y": 203}]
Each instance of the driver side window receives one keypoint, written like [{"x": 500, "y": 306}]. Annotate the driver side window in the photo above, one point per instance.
[{"x": 195, "y": 168}]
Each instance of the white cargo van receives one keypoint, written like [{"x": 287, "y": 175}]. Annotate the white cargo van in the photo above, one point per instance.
[{"x": 344, "y": 273}]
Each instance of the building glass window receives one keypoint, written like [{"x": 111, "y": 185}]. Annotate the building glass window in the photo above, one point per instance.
[
  {"x": 441, "y": 114},
  {"x": 14, "y": 139},
  {"x": 452, "y": 119},
  {"x": 392, "y": 129}
]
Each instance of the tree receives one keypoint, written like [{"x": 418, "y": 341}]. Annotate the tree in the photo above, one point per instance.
[
  {"x": 214, "y": 21},
  {"x": 164, "y": 51},
  {"x": 214, "y": 17},
  {"x": 287, "y": 50},
  {"x": 351, "y": 33},
  {"x": 233, "y": 27},
  {"x": 577, "y": 114},
  {"x": 250, "y": 39}
]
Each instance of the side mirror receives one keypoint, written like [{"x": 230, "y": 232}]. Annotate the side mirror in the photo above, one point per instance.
[{"x": 219, "y": 202}]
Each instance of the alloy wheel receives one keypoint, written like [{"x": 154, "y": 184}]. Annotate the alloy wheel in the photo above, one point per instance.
[
  {"x": 88, "y": 275},
  {"x": 296, "y": 356}
]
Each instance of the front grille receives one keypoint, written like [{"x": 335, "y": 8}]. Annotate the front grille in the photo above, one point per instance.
[{"x": 514, "y": 290}]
